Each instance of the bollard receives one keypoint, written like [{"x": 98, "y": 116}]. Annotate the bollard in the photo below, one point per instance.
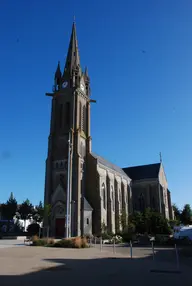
[
  {"x": 177, "y": 257},
  {"x": 39, "y": 232},
  {"x": 114, "y": 245},
  {"x": 153, "y": 250},
  {"x": 101, "y": 244},
  {"x": 131, "y": 250}
]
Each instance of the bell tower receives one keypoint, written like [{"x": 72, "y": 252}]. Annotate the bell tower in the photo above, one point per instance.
[{"x": 69, "y": 143}]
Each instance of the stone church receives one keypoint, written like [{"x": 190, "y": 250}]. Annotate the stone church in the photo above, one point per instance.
[{"x": 88, "y": 194}]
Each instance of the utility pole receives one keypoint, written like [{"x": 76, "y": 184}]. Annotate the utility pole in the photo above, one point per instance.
[{"x": 159, "y": 186}]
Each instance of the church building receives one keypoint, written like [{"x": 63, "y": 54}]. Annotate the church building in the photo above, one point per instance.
[
  {"x": 150, "y": 189},
  {"x": 87, "y": 194}
]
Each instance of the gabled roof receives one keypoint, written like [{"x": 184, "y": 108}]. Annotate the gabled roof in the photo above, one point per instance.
[
  {"x": 87, "y": 206},
  {"x": 143, "y": 172},
  {"x": 109, "y": 165}
]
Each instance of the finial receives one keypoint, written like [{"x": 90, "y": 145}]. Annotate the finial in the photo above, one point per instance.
[
  {"x": 160, "y": 157},
  {"x": 74, "y": 19}
]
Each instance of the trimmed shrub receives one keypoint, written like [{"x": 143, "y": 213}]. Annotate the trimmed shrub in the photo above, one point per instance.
[
  {"x": 106, "y": 236},
  {"x": 74, "y": 242},
  {"x": 36, "y": 241},
  {"x": 65, "y": 243},
  {"x": 50, "y": 241},
  {"x": 84, "y": 243},
  {"x": 33, "y": 229}
]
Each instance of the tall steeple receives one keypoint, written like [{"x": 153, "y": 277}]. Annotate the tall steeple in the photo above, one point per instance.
[
  {"x": 73, "y": 60},
  {"x": 70, "y": 119}
]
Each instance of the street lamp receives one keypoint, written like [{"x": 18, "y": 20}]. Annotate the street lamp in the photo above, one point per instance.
[
  {"x": 68, "y": 186},
  {"x": 70, "y": 146}
]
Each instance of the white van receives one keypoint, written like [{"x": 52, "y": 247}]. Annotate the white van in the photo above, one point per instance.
[{"x": 185, "y": 231}]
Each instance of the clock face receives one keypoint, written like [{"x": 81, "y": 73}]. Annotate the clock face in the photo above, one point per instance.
[
  {"x": 82, "y": 87},
  {"x": 64, "y": 85}
]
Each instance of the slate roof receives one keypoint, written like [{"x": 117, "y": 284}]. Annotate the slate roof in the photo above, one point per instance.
[
  {"x": 109, "y": 165},
  {"x": 87, "y": 206},
  {"x": 143, "y": 172}
]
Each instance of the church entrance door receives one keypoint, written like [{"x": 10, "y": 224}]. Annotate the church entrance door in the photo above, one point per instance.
[{"x": 60, "y": 227}]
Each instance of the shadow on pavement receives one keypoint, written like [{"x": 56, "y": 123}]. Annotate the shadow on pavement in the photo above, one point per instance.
[
  {"x": 161, "y": 254},
  {"x": 109, "y": 270}
]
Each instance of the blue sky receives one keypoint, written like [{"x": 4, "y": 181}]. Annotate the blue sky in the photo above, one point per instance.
[{"x": 143, "y": 98}]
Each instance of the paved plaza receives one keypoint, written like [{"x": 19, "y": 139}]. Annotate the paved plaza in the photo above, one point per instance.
[
  {"x": 6, "y": 243},
  {"x": 49, "y": 266}
]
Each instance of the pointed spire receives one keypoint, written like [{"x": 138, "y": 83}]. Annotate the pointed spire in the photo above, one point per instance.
[
  {"x": 58, "y": 71},
  {"x": 73, "y": 59}
]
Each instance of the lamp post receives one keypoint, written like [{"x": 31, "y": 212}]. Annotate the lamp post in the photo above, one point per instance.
[
  {"x": 69, "y": 175},
  {"x": 84, "y": 169},
  {"x": 68, "y": 187},
  {"x": 82, "y": 196}
]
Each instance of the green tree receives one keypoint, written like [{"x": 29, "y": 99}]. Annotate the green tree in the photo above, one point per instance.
[
  {"x": 174, "y": 223},
  {"x": 186, "y": 215},
  {"x": 47, "y": 210},
  {"x": 159, "y": 224},
  {"x": 103, "y": 228},
  {"x": 150, "y": 222},
  {"x": 138, "y": 220},
  {"x": 9, "y": 209},
  {"x": 147, "y": 215},
  {"x": 38, "y": 214},
  {"x": 177, "y": 213},
  {"x": 26, "y": 210},
  {"x": 124, "y": 219}
]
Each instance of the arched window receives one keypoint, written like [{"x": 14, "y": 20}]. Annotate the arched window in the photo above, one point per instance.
[
  {"x": 80, "y": 115},
  {"x": 141, "y": 203},
  {"x": 104, "y": 196},
  {"x": 84, "y": 119},
  {"x": 112, "y": 198},
  {"x": 82, "y": 149}
]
